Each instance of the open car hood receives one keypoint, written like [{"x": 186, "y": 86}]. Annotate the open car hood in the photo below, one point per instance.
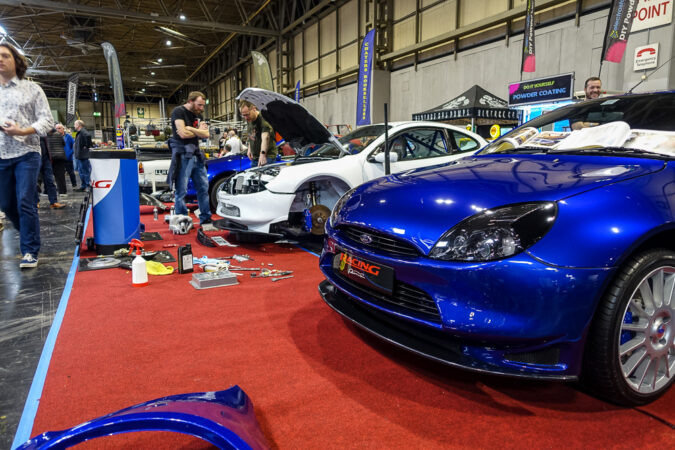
[{"x": 288, "y": 118}]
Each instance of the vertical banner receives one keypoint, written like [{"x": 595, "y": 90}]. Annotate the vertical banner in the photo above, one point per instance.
[
  {"x": 619, "y": 23},
  {"x": 115, "y": 79},
  {"x": 528, "y": 62},
  {"x": 263, "y": 73},
  {"x": 71, "y": 102},
  {"x": 297, "y": 91},
  {"x": 365, "y": 79}
]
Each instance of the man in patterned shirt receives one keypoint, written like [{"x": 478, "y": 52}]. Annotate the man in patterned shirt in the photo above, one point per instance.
[{"x": 24, "y": 116}]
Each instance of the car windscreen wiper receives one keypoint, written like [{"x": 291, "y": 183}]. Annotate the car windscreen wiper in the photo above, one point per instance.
[{"x": 610, "y": 151}]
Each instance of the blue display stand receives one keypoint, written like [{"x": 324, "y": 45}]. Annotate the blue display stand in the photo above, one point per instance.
[{"x": 116, "y": 211}]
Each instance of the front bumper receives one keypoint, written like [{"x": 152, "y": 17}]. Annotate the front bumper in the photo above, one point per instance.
[
  {"x": 516, "y": 317},
  {"x": 256, "y": 211}
]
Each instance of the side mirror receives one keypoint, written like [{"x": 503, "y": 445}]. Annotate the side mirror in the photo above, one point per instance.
[{"x": 379, "y": 158}]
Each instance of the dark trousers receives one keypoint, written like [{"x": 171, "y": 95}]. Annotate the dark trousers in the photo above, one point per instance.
[
  {"x": 71, "y": 172},
  {"x": 47, "y": 173},
  {"x": 84, "y": 168},
  {"x": 59, "y": 166},
  {"x": 18, "y": 189}
]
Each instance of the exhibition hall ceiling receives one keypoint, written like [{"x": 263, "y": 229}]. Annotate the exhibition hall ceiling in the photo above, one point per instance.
[{"x": 160, "y": 43}]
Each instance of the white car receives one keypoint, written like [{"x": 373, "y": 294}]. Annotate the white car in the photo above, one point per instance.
[
  {"x": 278, "y": 198},
  {"x": 153, "y": 168}
]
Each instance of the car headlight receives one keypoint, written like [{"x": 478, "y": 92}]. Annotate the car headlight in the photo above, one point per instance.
[
  {"x": 338, "y": 206},
  {"x": 496, "y": 233}
]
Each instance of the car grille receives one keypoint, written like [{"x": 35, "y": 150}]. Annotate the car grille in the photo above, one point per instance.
[
  {"x": 405, "y": 299},
  {"x": 378, "y": 241}
]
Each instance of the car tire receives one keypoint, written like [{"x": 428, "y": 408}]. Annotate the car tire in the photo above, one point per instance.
[
  {"x": 215, "y": 188},
  {"x": 630, "y": 352}
]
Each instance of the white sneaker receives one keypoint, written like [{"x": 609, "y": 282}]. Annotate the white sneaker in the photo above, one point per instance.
[{"x": 28, "y": 261}]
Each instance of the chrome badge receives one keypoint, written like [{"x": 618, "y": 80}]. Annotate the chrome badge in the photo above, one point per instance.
[{"x": 366, "y": 238}]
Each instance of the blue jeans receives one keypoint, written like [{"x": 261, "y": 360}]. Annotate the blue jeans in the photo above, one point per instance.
[
  {"x": 84, "y": 169},
  {"x": 18, "y": 190},
  {"x": 192, "y": 167}
]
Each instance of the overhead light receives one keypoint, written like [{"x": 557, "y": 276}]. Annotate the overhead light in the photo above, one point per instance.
[
  {"x": 159, "y": 60},
  {"x": 168, "y": 43},
  {"x": 143, "y": 90},
  {"x": 152, "y": 73},
  {"x": 165, "y": 66},
  {"x": 3, "y": 32},
  {"x": 178, "y": 35},
  {"x": 182, "y": 16}
]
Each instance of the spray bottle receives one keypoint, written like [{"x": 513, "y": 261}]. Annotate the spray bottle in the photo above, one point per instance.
[{"x": 139, "y": 272}]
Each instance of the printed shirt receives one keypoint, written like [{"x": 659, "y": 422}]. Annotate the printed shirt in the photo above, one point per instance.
[{"x": 25, "y": 103}]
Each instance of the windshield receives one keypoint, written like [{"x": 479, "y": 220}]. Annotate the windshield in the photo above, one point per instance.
[
  {"x": 644, "y": 122},
  {"x": 353, "y": 142}
]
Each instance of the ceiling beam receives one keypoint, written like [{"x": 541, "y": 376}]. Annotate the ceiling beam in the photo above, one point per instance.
[
  {"x": 93, "y": 11},
  {"x": 131, "y": 80}
]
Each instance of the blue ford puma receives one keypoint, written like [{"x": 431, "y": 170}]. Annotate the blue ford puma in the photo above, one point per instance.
[{"x": 549, "y": 254}]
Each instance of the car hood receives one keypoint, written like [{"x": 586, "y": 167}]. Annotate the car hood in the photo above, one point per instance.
[
  {"x": 419, "y": 206},
  {"x": 287, "y": 117}
]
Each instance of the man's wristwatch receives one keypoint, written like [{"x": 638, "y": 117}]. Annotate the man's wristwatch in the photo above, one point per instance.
[{"x": 263, "y": 153}]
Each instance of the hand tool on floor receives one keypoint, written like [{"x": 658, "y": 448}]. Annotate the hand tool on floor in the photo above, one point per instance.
[{"x": 282, "y": 278}]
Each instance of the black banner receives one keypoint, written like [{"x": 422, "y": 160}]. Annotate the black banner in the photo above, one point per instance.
[
  {"x": 71, "y": 102},
  {"x": 619, "y": 24},
  {"x": 559, "y": 87},
  {"x": 528, "y": 62}
]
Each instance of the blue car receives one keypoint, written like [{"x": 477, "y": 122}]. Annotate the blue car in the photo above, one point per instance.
[
  {"x": 549, "y": 254},
  {"x": 219, "y": 171}
]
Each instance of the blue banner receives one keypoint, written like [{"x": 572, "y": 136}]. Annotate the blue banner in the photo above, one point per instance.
[
  {"x": 365, "y": 80},
  {"x": 297, "y": 91}
]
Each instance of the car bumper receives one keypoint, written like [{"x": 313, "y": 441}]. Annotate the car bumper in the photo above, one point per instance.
[
  {"x": 515, "y": 317},
  {"x": 256, "y": 211}
]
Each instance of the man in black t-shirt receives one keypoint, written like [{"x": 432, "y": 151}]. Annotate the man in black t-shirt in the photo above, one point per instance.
[
  {"x": 187, "y": 129},
  {"x": 261, "y": 140}
]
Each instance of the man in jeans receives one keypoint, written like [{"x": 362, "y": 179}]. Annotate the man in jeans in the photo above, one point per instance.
[
  {"x": 81, "y": 148},
  {"x": 187, "y": 129},
  {"x": 24, "y": 116}
]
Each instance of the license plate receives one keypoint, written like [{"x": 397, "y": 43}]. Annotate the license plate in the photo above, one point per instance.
[
  {"x": 161, "y": 171},
  {"x": 366, "y": 273}
]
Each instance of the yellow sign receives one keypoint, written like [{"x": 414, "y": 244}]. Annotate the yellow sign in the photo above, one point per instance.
[
  {"x": 469, "y": 127},
  {"x": 495, "y": 131}
]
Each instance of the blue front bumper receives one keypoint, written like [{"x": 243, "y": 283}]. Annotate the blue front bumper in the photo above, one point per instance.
[{"x": 515, "y": 317}]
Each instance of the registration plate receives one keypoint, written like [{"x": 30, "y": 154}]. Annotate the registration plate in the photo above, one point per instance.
[{"x": 366, "y": 273}]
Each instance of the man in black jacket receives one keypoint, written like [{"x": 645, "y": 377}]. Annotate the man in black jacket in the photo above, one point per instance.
[{"x": 81, "y": 152}]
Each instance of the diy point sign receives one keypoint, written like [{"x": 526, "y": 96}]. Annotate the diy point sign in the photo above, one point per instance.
[{"x": 652, "y": 13}]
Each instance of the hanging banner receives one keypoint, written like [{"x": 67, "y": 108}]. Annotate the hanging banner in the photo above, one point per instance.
[
  {"x": 71, "y": 102},
  {"x": 619, "y": 23},
  {"x": 365, "y": 80},
  {"x": 297, "y": 91},
  {"x": 263, "y": 73},
  {"x": 528, "y": 63},
  {"x": 115, "y": 77}
]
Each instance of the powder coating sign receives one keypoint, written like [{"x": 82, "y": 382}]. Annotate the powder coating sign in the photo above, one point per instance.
[
  {"x": 619, "y": 24},
  {"x": 549, "y": 89},
  {"x": 646, "y": 57},
  {"x": 652, "y": 13}
]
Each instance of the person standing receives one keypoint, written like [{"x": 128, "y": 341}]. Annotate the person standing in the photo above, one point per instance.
[
  {"x": 261, "y": 145},
  {"x": 81, "y": 148},
  {"x": 234, "y": 142},
  {"x": 47, "y": 175},
  {"x": 187, "y": 128},
  {"x": 57, "y": 151},
  {"x": 68, "y": 142},
  {"x": 24, "y": 116}
]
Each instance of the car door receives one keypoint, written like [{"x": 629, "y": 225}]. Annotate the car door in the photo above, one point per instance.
[{"x": 421, "y": 147}]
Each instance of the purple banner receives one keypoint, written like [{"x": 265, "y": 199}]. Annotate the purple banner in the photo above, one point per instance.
[
  {"x": 618, "y": 28},
  {"x": 528, "y": 62},
  {"x": 365, "y": 81},
  {"x": 297, "y": 91}
]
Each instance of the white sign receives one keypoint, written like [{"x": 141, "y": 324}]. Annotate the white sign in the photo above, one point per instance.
[
  {"x": 652, "y": 13},
  {"x": 98, "y": 134},
  {"x": 646, "y": 57}
]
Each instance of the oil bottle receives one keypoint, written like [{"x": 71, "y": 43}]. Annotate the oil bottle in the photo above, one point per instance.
[{"x": 185, "y": 264}]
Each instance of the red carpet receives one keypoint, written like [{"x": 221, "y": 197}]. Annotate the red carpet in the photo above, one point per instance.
[{"x": 315, "y": 381}]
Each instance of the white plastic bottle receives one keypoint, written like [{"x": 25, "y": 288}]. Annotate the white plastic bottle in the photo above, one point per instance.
[{"x": 139, "y": 271}]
